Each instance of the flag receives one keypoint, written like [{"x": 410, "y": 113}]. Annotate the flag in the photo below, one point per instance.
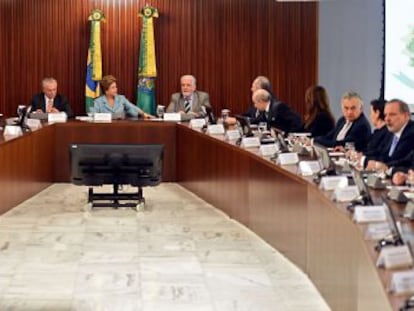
[
  {"x": 147, "y": 70},
  {"x": 94, "y": 63}
]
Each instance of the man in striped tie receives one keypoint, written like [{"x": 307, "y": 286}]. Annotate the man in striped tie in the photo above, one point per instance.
[{"x": 190, "y": 103}]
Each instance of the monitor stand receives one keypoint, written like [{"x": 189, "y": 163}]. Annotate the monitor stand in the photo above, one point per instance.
[{"x": 113, "y": 199}]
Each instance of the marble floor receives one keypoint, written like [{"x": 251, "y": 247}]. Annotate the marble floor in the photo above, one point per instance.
[{"x": 180, "y": 254}]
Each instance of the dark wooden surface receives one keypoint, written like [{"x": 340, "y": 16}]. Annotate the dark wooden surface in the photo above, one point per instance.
[
  {"x": 225, "y": 44},
  {"x": 122, "y": 132},
  {"x": 26, "y": 166},
  {"x": 291, "y": 214},
  {"x": 286, "y": 210}
]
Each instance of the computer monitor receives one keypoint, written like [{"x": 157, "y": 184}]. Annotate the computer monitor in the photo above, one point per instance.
[
  {"x": 325, "y": 161},
  {"x": 245, "y": 125},
  {"x": 362, "y": 187},
  {"x": 118, "y": 164},
  {"x": 280, "y": 137}
]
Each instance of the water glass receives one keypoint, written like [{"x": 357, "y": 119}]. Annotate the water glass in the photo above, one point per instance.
[
  {"x": 262, "y": 127},
  {"x": 349, "y": 146},
  {"x": 410, "y": 180},
  {"x": 224, "y": 114},
  {"x": 160, "y": 111}
]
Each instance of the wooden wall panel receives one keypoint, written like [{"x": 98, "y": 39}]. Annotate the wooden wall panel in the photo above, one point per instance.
[
  {"x": 4, "y": 52},
  {"x": 224, "y": 43}
]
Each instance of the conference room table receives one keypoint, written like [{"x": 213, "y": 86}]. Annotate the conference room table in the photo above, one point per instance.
[{"x": 287, "y": 210}]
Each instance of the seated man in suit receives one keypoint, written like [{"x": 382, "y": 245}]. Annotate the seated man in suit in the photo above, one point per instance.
[
  {"x": 49, "y": 100},
  {"x": 260, "y": 82},
  {"x": 353, "y": 126},
  {"x": 399, "y": 143},
  {"x": 401, "y": 174},
  {"x": 190, "y": 103},
  {"x": 275, "y": 113}
]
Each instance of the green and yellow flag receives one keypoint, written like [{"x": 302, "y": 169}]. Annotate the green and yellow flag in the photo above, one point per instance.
[
  {"x": 147, "y": 71},
  {"x": 94, "y": 64}
]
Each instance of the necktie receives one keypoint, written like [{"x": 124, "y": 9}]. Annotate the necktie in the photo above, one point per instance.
[
  {"x": 49, "y": 106},
  {"x": 393, "y": 145},
  {"x": 187, "y": 106},
  {"x": 342, "y": 133}
]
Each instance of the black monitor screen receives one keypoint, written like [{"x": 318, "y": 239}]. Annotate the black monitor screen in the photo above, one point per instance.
[
  {"x": 323, "y": 157},
  {"x": 127, "y": 164},
  {"x": 244, "y": 123}
]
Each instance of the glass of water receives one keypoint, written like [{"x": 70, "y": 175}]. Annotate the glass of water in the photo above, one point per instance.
[
  {"x": 160, "y": 111},
  {"x": 262, "y": 127},
  {"x": 225, "y": 114},
  {"x": 410, "y": 180}
]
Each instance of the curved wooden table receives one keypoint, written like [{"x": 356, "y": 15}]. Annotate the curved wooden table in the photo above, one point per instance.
[{"x": 286, "y": 210}]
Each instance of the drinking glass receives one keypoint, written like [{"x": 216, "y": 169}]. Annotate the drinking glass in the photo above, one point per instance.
[
  {"x": 160, "y": 111},
  {"x": 262, "y": 127},
  {"x": 224, "y": 114},
  {"x": 410, "y": 180}
]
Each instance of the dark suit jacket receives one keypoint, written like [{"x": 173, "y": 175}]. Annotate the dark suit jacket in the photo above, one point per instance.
[
  {"x": 280, "y": 116},
  {"x": 402, "y": 152},
  {"x": 322, "y": 124},
  {"x": 59, "y": 102},
  {"x": 199, "y": 99},
  {"x": 409, "y": 164},
  {"x": 359, "y": 133},
  {"x": 377, "y": 141}
]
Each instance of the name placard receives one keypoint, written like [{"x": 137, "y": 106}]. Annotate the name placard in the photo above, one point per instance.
[
  {"x": 12, "y": 130},
  {"x": 250, "y": 142},
  {"x": 370, "y": 213},
  {"x": 34, "y": 124},
  {"x": 197, "y": 123},
  {"x": 409, "y": 210},
  {"x": 308, "y": 168},
  {"x": 377, "y": 231},
  {"x": 60, "y": 117},
  {"x": 332, "y": 182},
  {"x": 288, "y": 158},
  {"x": 346, "y": 194},
  {"x": 402, "y": 282},
  {"x": 172, "y": 116},
  {"x": 232, "y": 135},
  {"x": 268, "y": 150},
  {"x": 102, "y": 117},
  {"x": 392, "y": 257},
  {"x": 215, "y": 129}
]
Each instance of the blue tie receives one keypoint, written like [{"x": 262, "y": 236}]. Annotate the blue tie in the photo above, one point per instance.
[{"x": 393, "y": 145}]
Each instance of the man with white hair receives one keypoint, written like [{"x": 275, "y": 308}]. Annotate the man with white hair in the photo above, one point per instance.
[
  {"x": 353, "y": 126},
  {"x": 274, "y": 113},
  {"x": 190, "y": 103},
  {"x": 49, "y": 100}
]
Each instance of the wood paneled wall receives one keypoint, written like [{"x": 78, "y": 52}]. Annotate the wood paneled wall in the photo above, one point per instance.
[
  {"x": 224, "y": 43},
  {"x": 4, "y": 53}
]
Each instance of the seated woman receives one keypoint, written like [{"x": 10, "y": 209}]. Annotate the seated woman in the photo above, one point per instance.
[
  {"x": 319, "y": 119},
  {"x": 113, "y": 103}
]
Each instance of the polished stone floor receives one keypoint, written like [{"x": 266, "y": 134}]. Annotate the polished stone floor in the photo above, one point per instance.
[{"x": 180, "y": 254}]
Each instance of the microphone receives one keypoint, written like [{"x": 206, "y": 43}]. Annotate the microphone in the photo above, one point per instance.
[
  {"x": 204, "y": 111},
  {"x": 209, "y": 113}
]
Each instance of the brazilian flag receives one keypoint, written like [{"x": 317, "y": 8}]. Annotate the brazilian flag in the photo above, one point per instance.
[
  {"x": 147, "y": 71},
  {"x": 94, "y": 65}
]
